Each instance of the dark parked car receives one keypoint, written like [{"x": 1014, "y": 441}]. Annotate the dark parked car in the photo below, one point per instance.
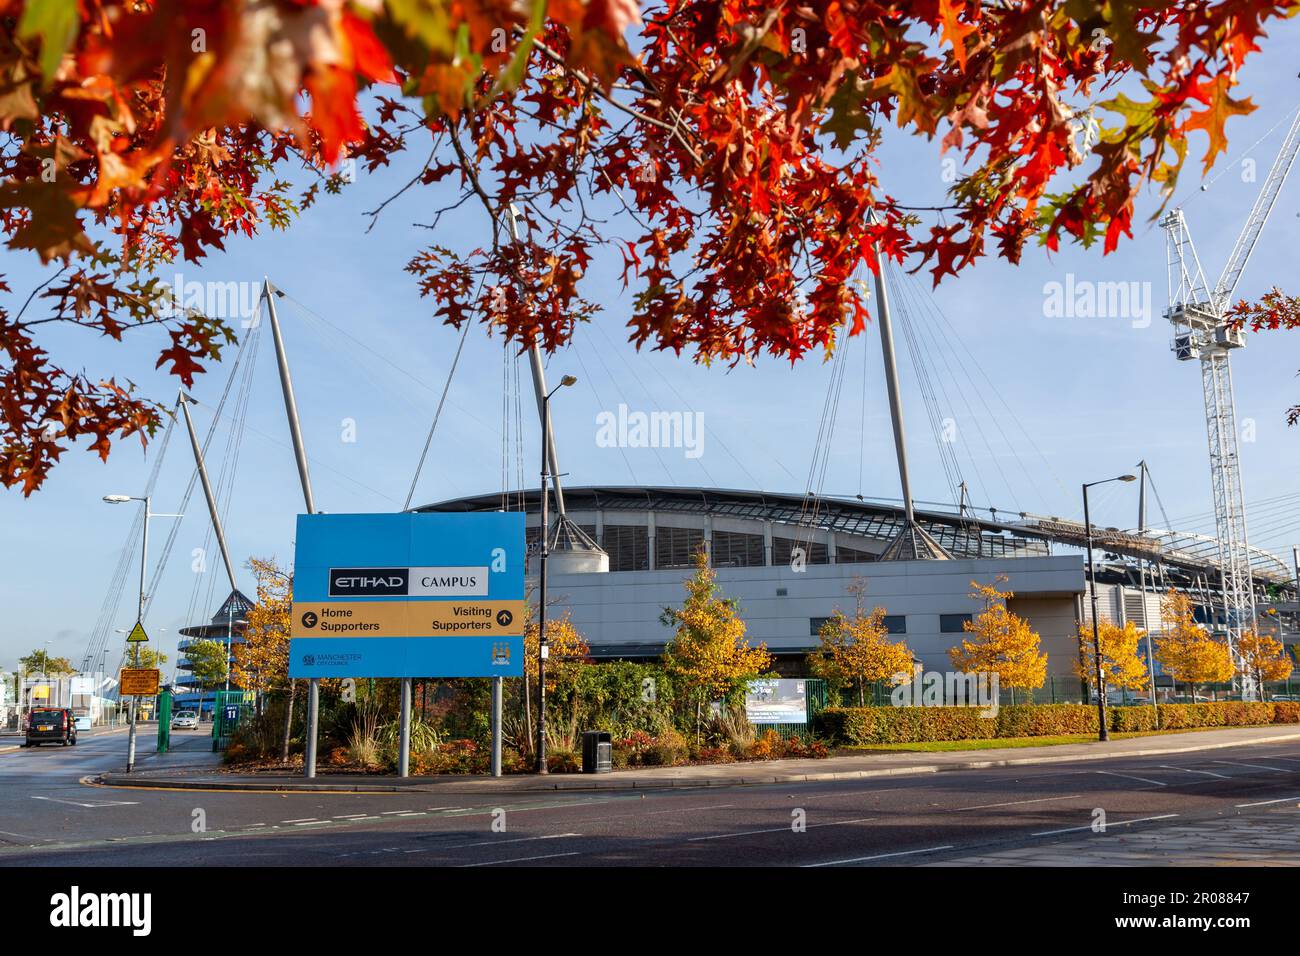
[{"x": 55, "y": 724}]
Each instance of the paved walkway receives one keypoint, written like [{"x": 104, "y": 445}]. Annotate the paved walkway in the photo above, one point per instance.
[
  {"x": 187, "y": 769},
  {"x": 1265, "y": 839}
]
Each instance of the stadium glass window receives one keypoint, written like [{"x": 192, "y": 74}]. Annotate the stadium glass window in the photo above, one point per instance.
[
  {"x": 814, "y": 551},
  {"x": 845, "y": 555},
  {"x": 896, "y": 623},
  {"x": 628, "y": 547},
  {"x": 732, "y": 549},
  {"x": 676, "y": 547},
  {"x": 815, "y": 625},
  {"x": 952, "y": 623}
]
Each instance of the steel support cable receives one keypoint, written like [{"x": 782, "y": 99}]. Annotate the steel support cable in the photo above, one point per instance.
[
  {"x": 928, "y": 302},
  {"x": 577, "y": 353},
  {"x": 862, "y": 416},
  {"x": 955, "y": 336},
  {"x": 754, "y": 483},
  {"x": 225, "y": 479},
  {"x": 113, "y": 597},
  {"x": 930, "y": 402},
  {"x": 1200, "y": 517},
  {"x": 909, "y": 292},
  {"x": 619, "y": 393},
  {"x": 947, "y": 457},
  {"x": 339, "y": 332},
  {"x": 824, "y": 442},
  {"x": 1261, "y": 518},
  {"x": 246, "y": 348},
  {"x": 415, "y": 479}
]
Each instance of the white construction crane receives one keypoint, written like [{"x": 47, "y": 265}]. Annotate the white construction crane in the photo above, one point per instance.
[{"x": 1197, "y": 314}]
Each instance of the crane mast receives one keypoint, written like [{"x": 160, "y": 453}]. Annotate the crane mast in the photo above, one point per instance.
[{"x": 1200, "y": 332}]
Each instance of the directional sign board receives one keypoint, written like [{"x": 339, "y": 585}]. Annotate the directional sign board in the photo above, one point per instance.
[
  {"x": 408, "y": 595},
  {"x": 139, "y": 682}
]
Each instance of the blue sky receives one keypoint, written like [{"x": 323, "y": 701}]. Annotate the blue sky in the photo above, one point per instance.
[{"x": 1074, "y": 399}]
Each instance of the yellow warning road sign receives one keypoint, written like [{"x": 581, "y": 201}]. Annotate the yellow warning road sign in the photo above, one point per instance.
[
  {"x": 137, "y": 634},
  {"x": 407, "y": 618},
  {"x": 139, "y": 682}
]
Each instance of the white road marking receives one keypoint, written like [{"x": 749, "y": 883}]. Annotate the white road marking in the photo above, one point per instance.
[
  {"x": 1120, "y": 823},
  {"x": 1254, "y": 766},
  {"x": 299, "y": 820},
  {"x": 1129, "y": 776},
  {"x": 879, "y": 856},
  {"x": 312, "y": 823},
  {"x": 1265, "y": 803},
  {"x": 719, "y": 806},
  {"x": 461, "y": 846},
  {"x": 351, "y": 816},
  {"x": 1012, "y": 803},
  {"x": 1208, "y": 773},
  {"x": 74, "y": 803},
  {"x": 787, "y": 828},
  {"x": 525, "y": 859}
]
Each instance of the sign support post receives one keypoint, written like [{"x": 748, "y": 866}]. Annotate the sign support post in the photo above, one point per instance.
[
  {"x": 404, "y": 743},
  {"x": 496, "y": 726}
]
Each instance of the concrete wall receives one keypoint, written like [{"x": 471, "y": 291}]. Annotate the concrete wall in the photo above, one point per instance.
[{"x": 777, "y": 602}]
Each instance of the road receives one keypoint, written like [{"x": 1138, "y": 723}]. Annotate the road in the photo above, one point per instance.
[{"x": 1230, "y": 805}]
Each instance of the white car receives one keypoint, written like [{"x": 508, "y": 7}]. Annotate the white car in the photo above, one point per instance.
[{"x": 185, "y": 720}]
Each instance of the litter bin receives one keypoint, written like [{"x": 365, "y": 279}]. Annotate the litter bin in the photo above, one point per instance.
[{"x": 597, "y": 752}]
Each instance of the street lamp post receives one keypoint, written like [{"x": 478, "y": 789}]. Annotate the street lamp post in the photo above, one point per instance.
[
  {"x": 542, "y": 646},
  {"x": 144, "y": 558},
  {"x": 1102, "y": 734}
]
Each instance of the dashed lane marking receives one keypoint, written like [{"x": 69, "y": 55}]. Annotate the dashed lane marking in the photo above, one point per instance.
[
  {"x": 879, "y": 856},
  {"x": 1014, "y": 803},
  {"x": 1129, "y": 776},
  {"x": 1120, "y": 823},
  {"x": 785, "y": 829},
  {"x": 524, "y": 859}
]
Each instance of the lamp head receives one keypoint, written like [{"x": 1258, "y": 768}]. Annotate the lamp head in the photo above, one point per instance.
[
  {"x": 1128, "y": 478},
  {"x": 117, "y": 499},
  {"x": 568, "y": 380}
]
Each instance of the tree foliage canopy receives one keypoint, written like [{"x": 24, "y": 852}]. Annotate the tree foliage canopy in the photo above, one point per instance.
[
  {"x": 726, "y": 150},
  {"x": 1001, "y": 643}
]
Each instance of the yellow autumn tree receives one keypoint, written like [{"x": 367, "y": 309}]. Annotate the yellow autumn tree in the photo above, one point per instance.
[
  {"x": 709, "y": 656},
  {"x": 856, "y": 650},
  {"x": 1121, "y": 663},
  {"x": 1001, "y": 643},
  {"x": 566, "y": 652},
  {"x": 262, "y": 658},
  {"x": 1262, "y": 657},
  {"x": 1186, "y": 650}
]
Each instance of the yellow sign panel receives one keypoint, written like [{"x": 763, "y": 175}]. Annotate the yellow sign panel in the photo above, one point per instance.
[
  {"x": 42, "y": 690},
  {"x": 407, "y": 618},
  {"x": 137, "y": 635},
  {"x": 139, "y": 682}
]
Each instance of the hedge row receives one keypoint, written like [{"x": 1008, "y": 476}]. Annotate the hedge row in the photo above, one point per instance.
[{"x": 905, "y": 725}]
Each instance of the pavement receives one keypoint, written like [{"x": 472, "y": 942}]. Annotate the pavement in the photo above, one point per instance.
[
  {"x": 1229, "y": 805},
  {"x": 173, "y": 771}
]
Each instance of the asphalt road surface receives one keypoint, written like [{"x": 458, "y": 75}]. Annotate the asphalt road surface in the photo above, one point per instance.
[{"x": 1237, "y": 800}]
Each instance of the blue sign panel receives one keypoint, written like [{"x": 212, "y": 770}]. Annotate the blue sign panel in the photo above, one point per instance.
[{"x": 408, "y": 595}]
